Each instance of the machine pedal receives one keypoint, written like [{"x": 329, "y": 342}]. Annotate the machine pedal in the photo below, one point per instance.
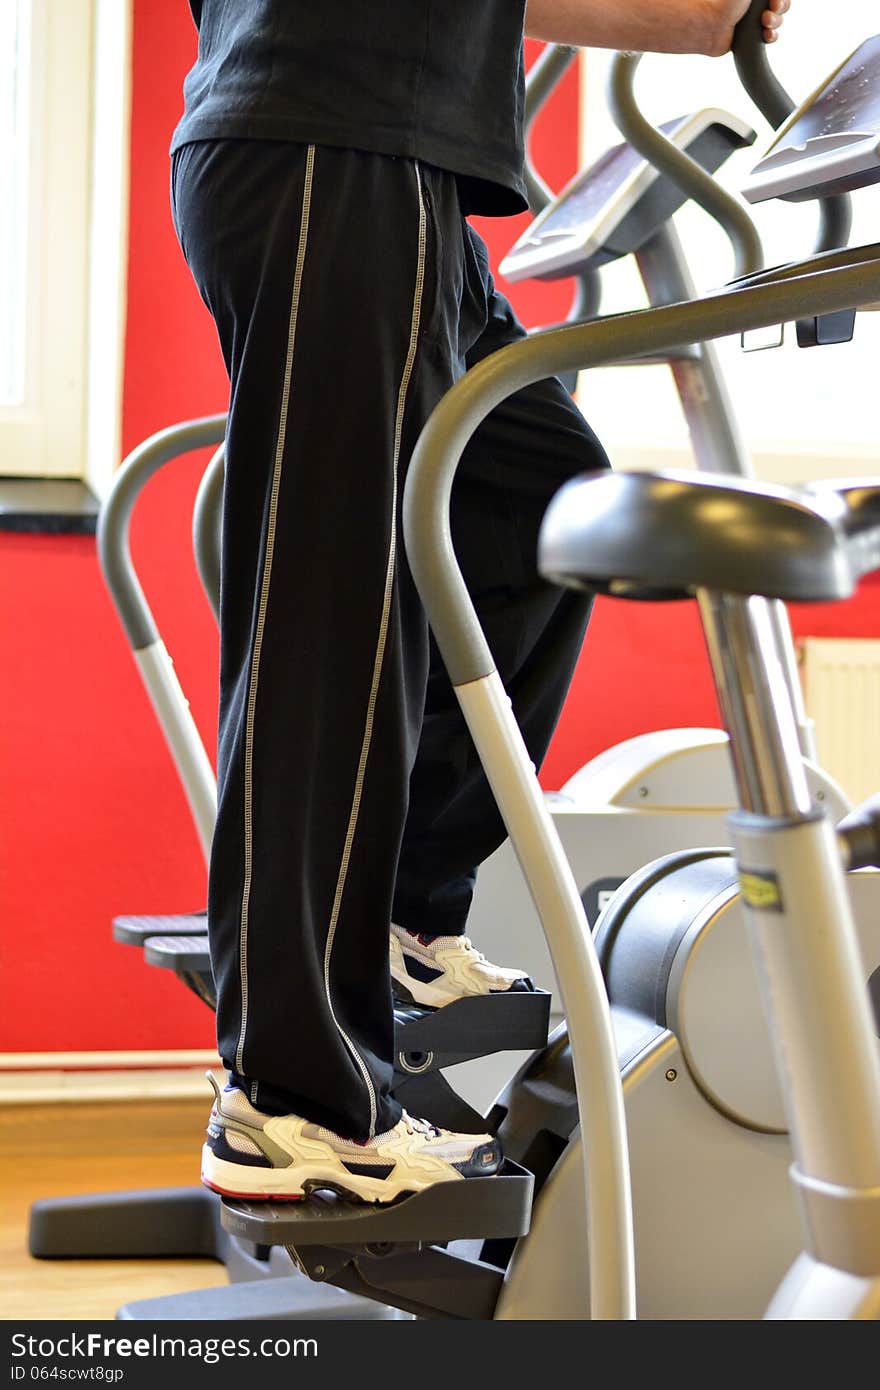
[
  {"x": 134, "y": 931},
  {"x": 426, "y": 1039},
  {"x": 178, "y": 953},
  {"x": 473, "y": 1027},
  {"x": 467, "y": 1209}
]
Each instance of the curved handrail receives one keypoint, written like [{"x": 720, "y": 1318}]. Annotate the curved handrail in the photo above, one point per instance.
[
  {"x": 114, "y": 520},
  {"x": 677, "y": 165},
  {"x": 156, "y": 668},
  {"x": 206, "y": 528},
  {"x": 542, "y": 79},
  {"x": 773, "y": 101}
]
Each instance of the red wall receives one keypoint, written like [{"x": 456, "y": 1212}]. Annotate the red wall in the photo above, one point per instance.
[{"x": 92, "y": 820}]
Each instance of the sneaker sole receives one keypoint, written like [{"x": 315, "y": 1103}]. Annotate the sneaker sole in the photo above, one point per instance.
[
  {"x": 261, "y": 1184},
  {"x": 430, "y": 996}
]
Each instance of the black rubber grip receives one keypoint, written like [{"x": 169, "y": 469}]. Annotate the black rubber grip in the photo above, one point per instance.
[
  {"x": 774, "y": 103},
  {"x": 753, "y": 68}
]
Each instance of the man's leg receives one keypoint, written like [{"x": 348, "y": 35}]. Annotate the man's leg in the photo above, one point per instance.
[{"x": 320, "y": 271}]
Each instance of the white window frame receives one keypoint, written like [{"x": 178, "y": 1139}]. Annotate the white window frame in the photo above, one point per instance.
[{"x": 77, "y": 227}]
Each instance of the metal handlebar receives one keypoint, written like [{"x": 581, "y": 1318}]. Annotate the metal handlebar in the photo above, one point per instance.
[
  {"x": 772, "y": 100},
  {"x": 206, "y": 523},
  {"x": 156, "y": 667},
  {"x": 114, "y": 551},
  {"x": 679, "y": 167},
  {"x": 753, "y": 68},
  {"x": 542, "y": 79}
]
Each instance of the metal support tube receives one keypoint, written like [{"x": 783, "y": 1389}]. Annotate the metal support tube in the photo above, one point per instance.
[
  {"x": 803, "y": 930},
  {"x": 813, "y": 983},
  {"x": 587, "y": 298},
  {"x": 753, "y": 691},
  {"x": 543, "y": 77},
  {"x": 157, "y": 671},
  {"x": 678, "y": 166},
  {"x": 172, "y": 710},
  {"x": 772, "y": 100},
  {"x": 781, "y": 624},
  {"x": 715, "y": 437},
  {"x": 511, "y": 775},
  {"x": 114, "y": 522},
  {"x": 207, "y": 521}
]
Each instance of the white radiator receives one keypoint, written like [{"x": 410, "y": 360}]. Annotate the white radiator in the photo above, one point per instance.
[{"x": 842, "y": 693}]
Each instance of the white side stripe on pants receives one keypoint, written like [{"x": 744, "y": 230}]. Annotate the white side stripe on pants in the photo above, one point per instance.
[{"x": 381, "y": 641}]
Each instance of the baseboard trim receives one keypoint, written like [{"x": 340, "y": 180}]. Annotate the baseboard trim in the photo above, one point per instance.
[
  {"x": 105, "y": 1061},
  {"x": 52, "y": 1078}
]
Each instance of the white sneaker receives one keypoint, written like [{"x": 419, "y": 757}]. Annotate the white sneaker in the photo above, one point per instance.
[
  {"x": 283, "y": 1158},
  {"x": 434, "y": 973}
]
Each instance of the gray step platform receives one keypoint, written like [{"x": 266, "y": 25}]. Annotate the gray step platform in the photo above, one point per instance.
[
  {"x": 178, "y": 953},
  {"x": 485, "y": 1208},
  {"x": 402, "y": 1256},
  {"x": 427, "y": 1039},
  {"x": 133, "y": 931},
  {"x": 290, "y": 1299},
  {"x": 158, "y": 1223}
]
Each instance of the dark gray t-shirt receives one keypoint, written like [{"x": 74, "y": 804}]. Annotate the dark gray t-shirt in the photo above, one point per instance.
[{"x": 436, "y": 80}]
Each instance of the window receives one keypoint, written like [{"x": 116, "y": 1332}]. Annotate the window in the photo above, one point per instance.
[
  {"x": 15, "y": 95},
  {"x": 58, "y": 138},
  {"x": 804, "y": 413}
]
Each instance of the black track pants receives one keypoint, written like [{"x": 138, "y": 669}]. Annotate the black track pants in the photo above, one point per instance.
[{"x": 349, "y": 294}]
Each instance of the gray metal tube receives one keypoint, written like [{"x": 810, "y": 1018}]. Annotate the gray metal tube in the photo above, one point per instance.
[
  {"x": 587, "y": 298},
  {"x": 542, "y": 78},
  {"x": 835, "y": 222},
  {"x": 443, "y": 440},
  {"x": 788, "y": 656},
  {"x": 772, "y": 100},
  {"x": 207, "y": 520},
  {"x": 717, "y": 443},
  {"x": 114, "y": 521},
  {"x": 837, "y": 259},
  {"x": 503, "y": 753},
  {"x": 157, "y": 670},
  {"x": 182, "y": 737},
  {"x": 678, "y": 166},
  {"x": 812, "y": 976},
  {"x": 752, "y": 686},
  {"x": 753, "y": 67}
]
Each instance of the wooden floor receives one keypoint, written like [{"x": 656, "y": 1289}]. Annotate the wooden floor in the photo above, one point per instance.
[{"x": 53, "y": 1151}]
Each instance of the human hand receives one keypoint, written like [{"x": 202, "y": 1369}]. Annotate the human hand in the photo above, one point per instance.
[{"x": 773, "y": 17}]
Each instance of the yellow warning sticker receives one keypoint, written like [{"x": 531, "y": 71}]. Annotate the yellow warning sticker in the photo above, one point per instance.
[{"x": 761, "y": 891}]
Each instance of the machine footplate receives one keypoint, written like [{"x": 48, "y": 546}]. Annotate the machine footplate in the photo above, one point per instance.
[
  {"x": 426, "y": 1039},
  {"x": 471, "y": 1208},
  {"x": 134, "y": 931},
  {"x": 178, "y": 953},
  {"x": 474, "y": 1027}
]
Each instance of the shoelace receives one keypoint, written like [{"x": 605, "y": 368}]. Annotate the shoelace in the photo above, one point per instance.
[
  {"x": 414, "y": 1126},
  {"x": 468, "y": 945}
]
